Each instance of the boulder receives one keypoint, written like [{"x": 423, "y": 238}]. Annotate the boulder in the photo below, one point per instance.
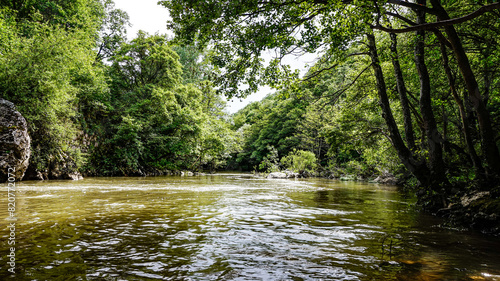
[
  {"x": 277, "y": 175},
  {"x": 74, "y": 176},
  {"x": 291, "y": 174},
  {"x": 467, "y": 199},
  {"x": 347, "y": 178},
  {"x": 14, "y": 142},
  {"x": 386, "y": 178}
]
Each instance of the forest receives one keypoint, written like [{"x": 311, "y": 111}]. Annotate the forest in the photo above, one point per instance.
[{"x": 410, "y": 89}]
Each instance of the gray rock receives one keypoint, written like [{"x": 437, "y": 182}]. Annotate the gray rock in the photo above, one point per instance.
[
  {"x": 386, "y": 178},
  {"x": 74, "y": 176},
  {"x": 466, "y": 200},
  {"x": 277, "y": 175},
  {"x": 14, "y": 142},
  {"x": 290, "y": 174}
]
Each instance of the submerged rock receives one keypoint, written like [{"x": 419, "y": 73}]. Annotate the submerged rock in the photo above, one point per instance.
[{"x": 14, "y": 142}]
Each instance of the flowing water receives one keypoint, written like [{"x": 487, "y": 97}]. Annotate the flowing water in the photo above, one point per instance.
[{"x": 232, "y": 227}]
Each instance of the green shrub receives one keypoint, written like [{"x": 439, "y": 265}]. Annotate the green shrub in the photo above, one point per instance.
[{"x": 300, "y": 161}]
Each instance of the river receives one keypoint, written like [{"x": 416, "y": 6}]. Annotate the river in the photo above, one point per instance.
[{"x": 232, "y": 227}]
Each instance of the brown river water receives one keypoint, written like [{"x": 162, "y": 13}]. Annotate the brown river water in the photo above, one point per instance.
[{"x": 232, "y": 227}]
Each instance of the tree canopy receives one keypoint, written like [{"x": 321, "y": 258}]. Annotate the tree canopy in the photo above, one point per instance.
[{"x": 100, "y": 105}]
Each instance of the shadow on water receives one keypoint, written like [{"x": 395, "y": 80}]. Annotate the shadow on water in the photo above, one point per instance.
[{"x": 233, "y": 227}]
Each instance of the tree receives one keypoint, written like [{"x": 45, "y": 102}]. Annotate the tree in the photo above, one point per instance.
[
  {"x": 444, "y": 20},
  {"x": 270, "y": 123},
  {"x": 155, "y": 120},
  {"x": 48, "y": 46},
  {"x": 239, "y": 32},
  {"x": 242, "y": 30},
  {"x": 113, "y": 31}
]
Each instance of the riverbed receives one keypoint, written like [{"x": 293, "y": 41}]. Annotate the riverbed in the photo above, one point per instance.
[{"x": 233, "y": 227}]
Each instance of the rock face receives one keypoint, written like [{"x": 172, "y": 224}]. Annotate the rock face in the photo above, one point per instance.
[{"x": 14, "y": 142}]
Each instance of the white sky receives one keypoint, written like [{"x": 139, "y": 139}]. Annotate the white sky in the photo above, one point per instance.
[{"x": 148, "y": 16}]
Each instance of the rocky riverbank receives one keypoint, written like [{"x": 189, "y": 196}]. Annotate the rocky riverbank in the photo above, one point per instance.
[
  {"x": 14, "y": 142},
  {"x": 474, "y": 210}
]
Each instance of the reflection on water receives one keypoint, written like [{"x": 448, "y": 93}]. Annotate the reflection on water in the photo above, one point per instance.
[{"x": 233, "y": 227}]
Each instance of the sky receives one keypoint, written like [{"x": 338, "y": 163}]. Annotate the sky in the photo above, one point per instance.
[{"x": 148, "y": 16}]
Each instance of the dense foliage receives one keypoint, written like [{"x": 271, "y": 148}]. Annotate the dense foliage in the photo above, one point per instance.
[
  {"x": 100, "y": 105},
  {"x": 46, "y": 52}
]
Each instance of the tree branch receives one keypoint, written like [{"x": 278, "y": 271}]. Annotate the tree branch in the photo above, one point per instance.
[
  {"x": 413, "y": 6},
  {"x": 338, "y": 93},
  {"x": 429, "y": 26},
  {"x": 316, "y": 73},
  {"x": 436, "y": 31},
  {"x": 401, "y": 18}
]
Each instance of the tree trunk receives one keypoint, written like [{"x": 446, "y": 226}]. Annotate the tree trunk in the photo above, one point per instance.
[
  {"x": 417, "y": 167},
  {"x": 434, "y": 140},
  {"x": 400, "y": 84},
  {"x": 489, "y": 146},
  {"x": 476, "y": 162},
  {"x": 445, "y": 128}
]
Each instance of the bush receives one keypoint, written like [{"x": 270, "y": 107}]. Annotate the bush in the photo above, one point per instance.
[{"x": 300, "y": 161}]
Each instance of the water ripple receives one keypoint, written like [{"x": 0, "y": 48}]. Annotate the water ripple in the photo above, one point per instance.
[{"x": 235, "y": 227}]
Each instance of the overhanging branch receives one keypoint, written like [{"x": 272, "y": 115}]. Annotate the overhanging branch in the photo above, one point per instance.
[
  {"x": 438, "y": 24},
  {"x": 413, "y": 6}
]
